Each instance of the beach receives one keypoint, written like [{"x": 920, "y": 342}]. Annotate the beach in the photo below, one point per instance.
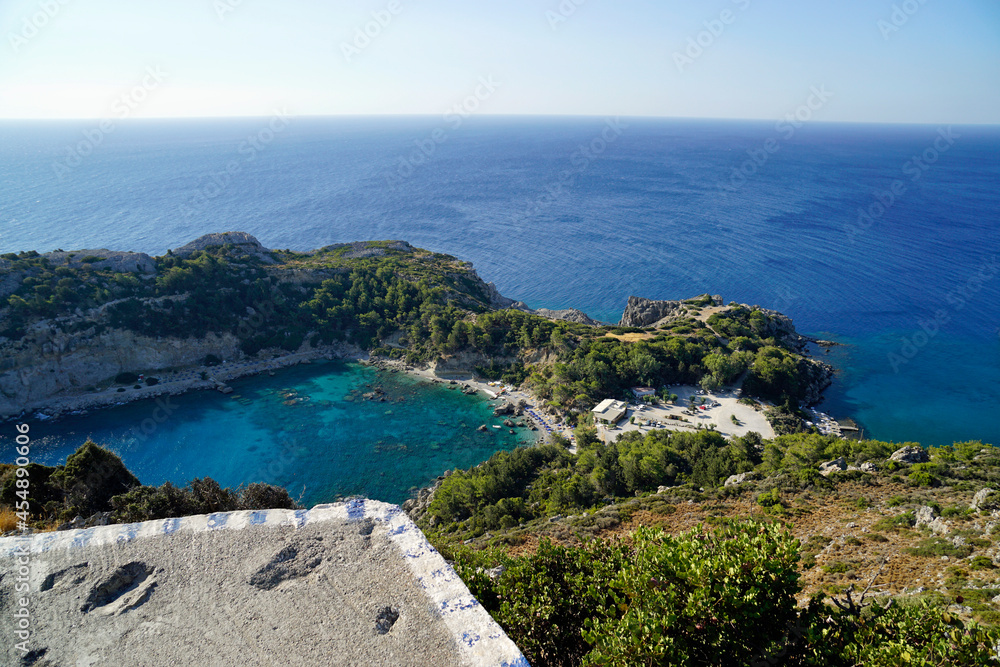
[{"x": 495, "y": 391}]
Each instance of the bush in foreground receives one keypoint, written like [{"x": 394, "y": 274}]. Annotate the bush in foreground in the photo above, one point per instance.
[
  {"x": 95, "y": 480},
  {"x": 710, "y": 596}
]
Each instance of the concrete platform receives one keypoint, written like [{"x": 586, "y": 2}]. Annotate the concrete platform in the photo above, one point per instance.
[{"x": 354, "y": 583}]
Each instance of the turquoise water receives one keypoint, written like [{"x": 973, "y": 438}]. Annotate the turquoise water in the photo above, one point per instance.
[{"x": 307, "y": 429}]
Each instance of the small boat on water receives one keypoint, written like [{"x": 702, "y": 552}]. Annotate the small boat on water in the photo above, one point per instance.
[{"x": 496, "y": 426}]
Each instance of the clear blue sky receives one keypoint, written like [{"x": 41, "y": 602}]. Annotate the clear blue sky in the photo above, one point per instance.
[{"x": 609, "y": 57}]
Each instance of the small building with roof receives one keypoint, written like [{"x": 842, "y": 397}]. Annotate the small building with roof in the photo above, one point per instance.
[{"x": 610, "y": 411}]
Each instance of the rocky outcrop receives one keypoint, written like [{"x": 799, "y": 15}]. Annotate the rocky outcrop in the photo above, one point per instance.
[
  {"x": 363, "y": 249},
  {"x": 417, "y": 506},
  {"x": 103, "y": 259},
  {"x": 640, "y": 312},
  {"x": 504, "y": 408},
  {"x": 985, "y": 500},
  {"x": 568, "y": 315},
  {"x": 836, "y": 465},
  {"x": 910, "y": 454},
  {"x": 816, "y": 376},
  {"x": 565, "y": 314},
  {"x": 497, "y": 300},
  {"x": 736, "y": 480},
  {"x": 927, "y": 516},
  {"x": 110, "y": 260},
  {"x": 243, "y": 244}
]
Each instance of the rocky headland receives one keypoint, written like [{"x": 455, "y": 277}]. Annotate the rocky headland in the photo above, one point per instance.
[{"x": 68, "y": 357}]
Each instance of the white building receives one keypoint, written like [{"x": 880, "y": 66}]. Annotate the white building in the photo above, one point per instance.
[{"x": 609, "y": 410}]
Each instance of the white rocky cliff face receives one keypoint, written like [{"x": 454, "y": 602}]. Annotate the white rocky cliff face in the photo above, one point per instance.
[{"x": 45, "y": 365}]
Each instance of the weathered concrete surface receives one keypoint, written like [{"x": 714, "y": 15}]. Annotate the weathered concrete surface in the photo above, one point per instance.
[{"x": 349, "y": 584}]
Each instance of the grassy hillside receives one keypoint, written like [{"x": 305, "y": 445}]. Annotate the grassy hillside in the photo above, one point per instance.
[{"x": 637, "y": 552}]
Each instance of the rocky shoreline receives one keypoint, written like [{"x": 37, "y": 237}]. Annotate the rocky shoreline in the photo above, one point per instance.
[{"x": 179, "y": 381}]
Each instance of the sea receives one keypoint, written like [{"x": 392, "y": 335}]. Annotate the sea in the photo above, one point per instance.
[{"x": 884, "y": 238}]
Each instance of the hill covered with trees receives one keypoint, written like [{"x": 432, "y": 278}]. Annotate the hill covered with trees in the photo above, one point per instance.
[{"x": 383, "y": 296}]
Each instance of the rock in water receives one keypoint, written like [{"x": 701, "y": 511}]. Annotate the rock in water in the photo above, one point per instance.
[{"x": 504, "y": 409}]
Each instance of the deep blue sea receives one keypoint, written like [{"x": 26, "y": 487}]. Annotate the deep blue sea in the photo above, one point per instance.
[{"x": 584, "y": 212}]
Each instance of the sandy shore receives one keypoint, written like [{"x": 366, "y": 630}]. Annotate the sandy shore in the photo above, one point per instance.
[{"x": 544, "y": 423}]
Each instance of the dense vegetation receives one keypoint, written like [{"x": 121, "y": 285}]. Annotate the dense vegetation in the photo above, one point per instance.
[
  {"x": 531, "y": 483},
  {"x": 223, "y": 290},
  {"x": 401, "y": 302},
  {"x": 722, "y": 595},
  {"x": 94, "y": 480}
]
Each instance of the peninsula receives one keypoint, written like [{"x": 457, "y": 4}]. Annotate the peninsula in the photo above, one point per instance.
[{"x": 91, "y": 328}]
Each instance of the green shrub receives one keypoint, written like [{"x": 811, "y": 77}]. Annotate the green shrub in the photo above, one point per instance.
[
  {"x": 935, "y": 547},
  {"x": 902, "y": 634},
  {"x": 543, "y": 600},
  {"x": 721, "y": 595},
  {"x": 891, "y": 523},
  {"x": 836, "y": 567},
  {"x": 769, "y": 498},
  {"x": 924, "y": 474},
  {"x": 981, "y": 563},
  {"x": 200, "y": 496},
  {"x": 708, "y": 596}
]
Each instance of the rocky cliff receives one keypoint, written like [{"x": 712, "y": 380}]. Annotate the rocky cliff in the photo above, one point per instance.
[
  {"x": 48, "y": 363},
  {"x": 640, "y": 312},
  {"x": 58, "y": 349}
]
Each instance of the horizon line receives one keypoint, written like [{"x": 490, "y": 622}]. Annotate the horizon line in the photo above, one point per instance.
[{"x": 494, "y": 116}]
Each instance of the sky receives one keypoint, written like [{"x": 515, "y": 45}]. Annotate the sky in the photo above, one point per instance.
[{"x": 902, "y": 61}]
